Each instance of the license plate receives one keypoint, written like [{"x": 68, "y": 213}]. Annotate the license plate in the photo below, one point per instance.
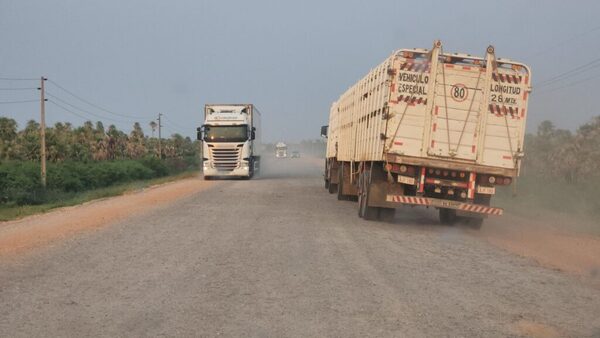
[
  {"x": 444, "y": 203},
  {"x": 486, "y": 190},
  {"x": 406, "y": 180}
]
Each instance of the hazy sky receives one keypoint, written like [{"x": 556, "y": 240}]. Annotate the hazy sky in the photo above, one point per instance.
[{"x": 290, "y": 58}]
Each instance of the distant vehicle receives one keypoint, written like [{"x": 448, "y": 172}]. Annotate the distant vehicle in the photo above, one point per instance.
[
  {"x": 281, "y": 150},
  {"x": 295, "y": 154},
  {"x": 231, "y": 140},
  {"x": 432, "y": 129}
]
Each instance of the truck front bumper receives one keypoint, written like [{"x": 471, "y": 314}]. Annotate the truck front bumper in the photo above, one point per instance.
[
  {"x": 466, "y": 208},
  {"x": 238, "y": 172}
]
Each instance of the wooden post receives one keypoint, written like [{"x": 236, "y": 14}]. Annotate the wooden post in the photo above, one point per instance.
[
  {"x": 159, "y": 137},
  {"x": 43, "y": 131}
]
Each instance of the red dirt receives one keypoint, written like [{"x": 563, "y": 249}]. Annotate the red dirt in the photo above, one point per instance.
[{"x": 560, "y": 247}]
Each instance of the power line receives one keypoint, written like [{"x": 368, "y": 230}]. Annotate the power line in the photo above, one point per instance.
[
  {"x": 23, "y": 101},
  {"x": 68, "y": 110},
  {"x": 93, "y": 104},
  {"x": 22, "y": 88},
  {"x": 174, "y": 124},
  {"x": 17, "y": 79},
  {"x": 81, "y": 109},
  {"x": 570, "y": 84},
  {"x": 592, "y": 64}
]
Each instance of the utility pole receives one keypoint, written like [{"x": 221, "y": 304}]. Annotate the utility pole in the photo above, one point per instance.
[
  {"x": 43, "y": 130},
  {"x": 159, "y": 136}
]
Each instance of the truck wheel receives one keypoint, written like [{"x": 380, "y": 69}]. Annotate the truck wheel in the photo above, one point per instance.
[
  {"x": 387, "y": 214},
  {"x": 475, "y": 222},
  {"x": 332, "y": 188},
  {"x": 326, "y": 175},
  {"x": 364, "y": 210},
  {"x": 340, "y": 186},
  {"x": 447, "y": 216}
]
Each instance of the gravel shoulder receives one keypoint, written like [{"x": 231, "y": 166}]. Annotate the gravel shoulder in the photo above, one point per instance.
[{"x": 39, "y": 230}]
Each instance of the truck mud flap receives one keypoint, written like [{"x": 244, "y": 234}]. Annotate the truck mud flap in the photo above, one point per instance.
[{"x": 440, "y": 203}]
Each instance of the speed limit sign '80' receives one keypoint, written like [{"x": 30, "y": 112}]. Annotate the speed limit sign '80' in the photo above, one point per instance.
[{"x": 459, "y": 92}]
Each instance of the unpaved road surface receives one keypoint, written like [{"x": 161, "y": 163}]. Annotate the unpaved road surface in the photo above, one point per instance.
[{"x": 276, "y": 257}]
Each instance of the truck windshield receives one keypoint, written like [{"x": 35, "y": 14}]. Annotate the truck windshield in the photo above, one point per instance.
[{"x": 226, "y": 133}]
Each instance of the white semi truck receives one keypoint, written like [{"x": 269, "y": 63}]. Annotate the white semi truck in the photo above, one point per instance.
[
  {"x": 230, "y": 139},
  {"x": 281, "y": 150},
  {"x": 429, "y": 128}
]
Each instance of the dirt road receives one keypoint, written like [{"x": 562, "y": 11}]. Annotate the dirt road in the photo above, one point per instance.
[{"x": 278, "y": 256}]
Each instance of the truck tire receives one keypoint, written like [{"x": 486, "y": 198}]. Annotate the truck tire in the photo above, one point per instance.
[
  {"x": 332, "y": 188},
  {"x": 364, "y": 210},
  {"x": 340, "y": 186},
  {"x": 387, "y": 214},
  {"x": 447, "y": 216},
  {"x": 475, "y": 222},
  {"x": 325, "y": 175}
]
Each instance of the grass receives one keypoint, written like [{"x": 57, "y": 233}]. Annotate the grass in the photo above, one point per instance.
[{"x": 10, "y": 212}]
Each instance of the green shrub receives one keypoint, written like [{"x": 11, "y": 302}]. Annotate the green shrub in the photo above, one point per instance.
[
  {"x": 20, "y": 181},
  {"x": 157, "y": 166}
]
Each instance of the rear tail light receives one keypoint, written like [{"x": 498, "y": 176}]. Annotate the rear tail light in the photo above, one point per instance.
[
  {"x": 507, "y": 180},
  {"x": 492, "y": 179}
]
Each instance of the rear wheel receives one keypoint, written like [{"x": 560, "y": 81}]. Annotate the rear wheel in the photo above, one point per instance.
[
  {"x": 326, "y": 175},
  {"x": 447, "y": 216},
  {"x": 477, "y": 222},
  {"x": 387, "y": 214},
  {"x": 474, "y": 222},
  {"x": 364, "y": 210},
  {"x": 332, "y": 188},
  {"x": 340, "y": 187}
]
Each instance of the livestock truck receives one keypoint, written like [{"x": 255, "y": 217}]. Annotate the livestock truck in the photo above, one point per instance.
[
  {"x": 429, "y": 128},
  {"x": 230, "y": 139}
]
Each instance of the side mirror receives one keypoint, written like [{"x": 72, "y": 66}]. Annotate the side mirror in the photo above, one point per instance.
[
  {"x": 324, "y": 130},
  {"x": 200, "y": 133}
]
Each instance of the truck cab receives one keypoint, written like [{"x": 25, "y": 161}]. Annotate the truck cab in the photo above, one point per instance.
[
  {"x": 281, "y": 150},
  {"x": 230, "y": 141}
]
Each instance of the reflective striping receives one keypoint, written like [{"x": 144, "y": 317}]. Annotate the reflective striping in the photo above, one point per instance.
[
  {"x": 502, "y": 111},
  {"x": 481, "y": 209},
  {"x": 513, "y": 79},
  {"x": 471, "y": 189},
  {"x": 475, "y": 208},
  {"x": 411, "y": 100},
  {"x": 420, "y": 67},
  {"x": 422, "y": 180},
  {"x": 408, "y": 199}
]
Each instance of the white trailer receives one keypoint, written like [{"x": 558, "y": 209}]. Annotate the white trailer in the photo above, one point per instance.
[
  {"x": 429, "y": 128},
  {"x": 231, "y": 140}
]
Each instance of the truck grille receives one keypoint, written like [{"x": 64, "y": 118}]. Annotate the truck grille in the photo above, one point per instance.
[{"x": 226, "y": 159}]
